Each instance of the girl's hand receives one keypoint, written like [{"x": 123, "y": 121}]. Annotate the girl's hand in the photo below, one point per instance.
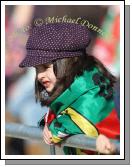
[
  {"x": 47, "y": 135},
  {"x": 103, "y": 145}
]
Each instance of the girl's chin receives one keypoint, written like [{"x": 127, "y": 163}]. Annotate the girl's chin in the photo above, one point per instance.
[{"x": 49, "y": 89}]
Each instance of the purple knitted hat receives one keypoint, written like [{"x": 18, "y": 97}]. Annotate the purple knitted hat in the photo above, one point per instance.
[{"x": 54, "y": 41}]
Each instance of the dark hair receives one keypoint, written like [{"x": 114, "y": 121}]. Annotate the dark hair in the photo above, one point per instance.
[{"x": 66, "y": 70}]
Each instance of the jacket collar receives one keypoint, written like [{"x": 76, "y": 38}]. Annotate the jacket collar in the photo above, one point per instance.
[{"x": 80, "y": 86}]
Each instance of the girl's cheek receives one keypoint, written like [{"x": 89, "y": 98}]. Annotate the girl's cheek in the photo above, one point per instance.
[
  {"x": 53, "y": 78},
  {"x": 54, "y": 82}
]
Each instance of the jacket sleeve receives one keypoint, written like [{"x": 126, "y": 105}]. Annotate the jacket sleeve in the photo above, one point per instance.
[
  {"x": 83, "y": 116},
  {"x": 63, "y": 126},
  {"x": 69, "y": 122}
]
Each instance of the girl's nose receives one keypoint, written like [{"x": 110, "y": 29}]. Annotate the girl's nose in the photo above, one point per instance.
[{"x": 41, "y": 75}]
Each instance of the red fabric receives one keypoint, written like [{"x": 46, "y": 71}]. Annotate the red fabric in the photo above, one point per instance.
[
  {"x": 109, "y": 49},
  {"x": 49, "y": 118},
  {"x": 110, "y": 126}
]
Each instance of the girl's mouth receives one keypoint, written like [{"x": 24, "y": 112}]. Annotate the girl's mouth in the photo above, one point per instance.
[{"x": 46, "y": 84}]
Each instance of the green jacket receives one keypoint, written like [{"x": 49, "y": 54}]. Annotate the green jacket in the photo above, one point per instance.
[{"x": 86, "y": 107}]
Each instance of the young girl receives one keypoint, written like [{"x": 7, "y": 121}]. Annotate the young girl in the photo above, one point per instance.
[{"x": 76, "y": 86}]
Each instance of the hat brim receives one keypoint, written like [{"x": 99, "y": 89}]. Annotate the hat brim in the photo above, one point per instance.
[{"x": 38, "y": 57}]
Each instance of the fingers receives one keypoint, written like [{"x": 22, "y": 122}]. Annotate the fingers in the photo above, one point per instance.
[
  {"x": 111, "y": 149},
  {"x": 47, "y": 135},
  {"x": 103, "y": 145},
  {"x": 47, "y": 132}
]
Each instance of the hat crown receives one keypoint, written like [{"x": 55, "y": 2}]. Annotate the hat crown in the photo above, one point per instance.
[
  {"x": 54, "y": 41},
  {"x": 58, "y": 37}
]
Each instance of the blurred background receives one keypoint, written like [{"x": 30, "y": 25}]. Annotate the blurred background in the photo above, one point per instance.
[{"x": 19, "y": 20}]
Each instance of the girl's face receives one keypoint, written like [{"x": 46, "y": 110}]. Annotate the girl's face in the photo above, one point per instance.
[{"x": 46, "y": 76}]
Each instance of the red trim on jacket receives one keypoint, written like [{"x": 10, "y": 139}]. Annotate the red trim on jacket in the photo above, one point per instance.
[{"x": 49, "y": 117}]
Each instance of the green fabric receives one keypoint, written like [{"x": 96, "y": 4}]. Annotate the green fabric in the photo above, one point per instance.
[
  {"x": 67, "y": 126},
  {"x": 81, "y": 85},
  {"x": 83, "y": 96},
  {"x": 92, "y": 106}
]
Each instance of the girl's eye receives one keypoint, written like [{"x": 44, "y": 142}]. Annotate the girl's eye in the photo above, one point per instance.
[
  {"x": 43, "y": 68},
  {"x": 47, "y": 66}
]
